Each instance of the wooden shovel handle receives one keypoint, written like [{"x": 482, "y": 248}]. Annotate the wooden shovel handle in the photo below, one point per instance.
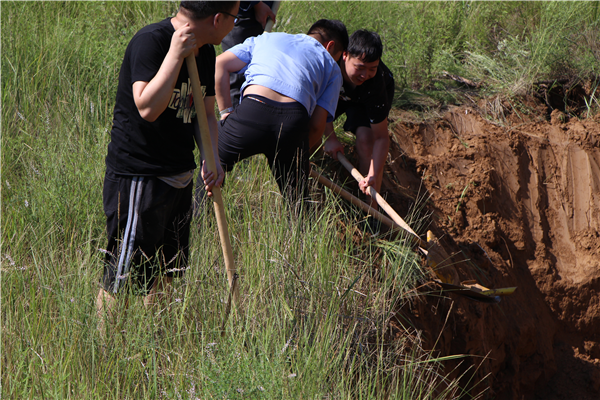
[
  {"x": 353, "y": 199},
  {"x": 270, "y": 22},
  {"x": 380, "y": 200},
  {"x": 204, "y": 141}
]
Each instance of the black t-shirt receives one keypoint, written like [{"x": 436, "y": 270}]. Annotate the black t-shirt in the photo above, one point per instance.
[
  {"x": 163, "y": 147},
  {"x": 374, "y": 96}
]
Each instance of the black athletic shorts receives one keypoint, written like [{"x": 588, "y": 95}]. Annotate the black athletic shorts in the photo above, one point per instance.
[{"x": 148, "y": 228}]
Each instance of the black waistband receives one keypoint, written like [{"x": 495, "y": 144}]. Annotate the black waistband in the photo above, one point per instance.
[{"x": 273, "y": 103}]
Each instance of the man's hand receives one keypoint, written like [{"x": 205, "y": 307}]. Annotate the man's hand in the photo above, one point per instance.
[
  {"x": 183, "y": 42},
  {"x": 366, "y": 183},
  {"x": 333, "y": 146},
  {"x": 209, "y": 178},
  {"x": 262, "y": 12}
]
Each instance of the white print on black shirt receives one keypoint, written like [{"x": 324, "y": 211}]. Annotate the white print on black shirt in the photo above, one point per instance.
[
  {"x": 182, "y": 100},
  {"x": 343, "y": 96}
]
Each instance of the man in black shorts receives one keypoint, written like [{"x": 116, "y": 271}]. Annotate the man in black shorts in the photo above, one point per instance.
[
  {"x": 149, "y": 166},
  {"x": 366, "y": 99}
]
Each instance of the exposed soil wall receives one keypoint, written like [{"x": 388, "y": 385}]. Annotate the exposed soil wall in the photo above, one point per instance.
[{"x": 516, "y": 206}]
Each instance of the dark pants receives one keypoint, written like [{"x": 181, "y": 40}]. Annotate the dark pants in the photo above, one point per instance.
[
  {"x": 277, "y": 130},
  {"x": 154, "y": 243}
]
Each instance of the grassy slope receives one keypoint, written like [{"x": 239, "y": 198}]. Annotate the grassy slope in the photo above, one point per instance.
[
  {"x": 300, "y": 324},
  {"x": 314, "y": 313}
]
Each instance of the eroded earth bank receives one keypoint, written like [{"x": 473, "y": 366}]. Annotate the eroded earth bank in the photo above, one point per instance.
[{"x": 516, "y": 204}]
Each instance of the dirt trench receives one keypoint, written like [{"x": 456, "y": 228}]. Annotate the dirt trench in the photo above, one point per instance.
[{"x": 515, "y": 206}]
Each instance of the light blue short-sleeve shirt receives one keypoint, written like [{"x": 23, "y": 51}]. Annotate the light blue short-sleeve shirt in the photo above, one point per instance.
[{"x": 297, "y": 66}]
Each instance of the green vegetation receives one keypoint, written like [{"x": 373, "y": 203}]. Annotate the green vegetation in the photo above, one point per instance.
[
  {"x": 506, "y": 46},
  {"x": 318, "y": 294}
]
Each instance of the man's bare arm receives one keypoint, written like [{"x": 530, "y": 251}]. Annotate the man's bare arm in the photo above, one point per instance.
[
  {"x": 226, "y": 64},
  {"x": 332, "y": 144},
  {"x": 318, "y": 121},
  {"x": 211, "y": 179},
  {"x": 381, "y": 147},
  {"x": 262, "y": 12},
  {"x": 152, "y": 98}
]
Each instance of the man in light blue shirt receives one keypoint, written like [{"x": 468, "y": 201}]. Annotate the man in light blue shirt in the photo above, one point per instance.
[{"x": 291, "y": 92}]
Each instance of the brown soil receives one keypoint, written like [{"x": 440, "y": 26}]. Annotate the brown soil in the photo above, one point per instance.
[{"x": 515, "y": 205}]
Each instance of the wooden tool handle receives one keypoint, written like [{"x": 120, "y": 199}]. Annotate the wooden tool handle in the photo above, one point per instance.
[
  {"x": 270, "y": 22},
  {"x": 380, "y": 200},
  {"x": 204, "y": 141},
  {"x": 353, "y": 199}
]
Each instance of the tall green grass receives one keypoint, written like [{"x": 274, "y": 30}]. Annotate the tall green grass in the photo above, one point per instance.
[
  {"x": 507, "y": 46},
  {"x": 317, "y": 294},
  {"x": 555, "y": 49}
]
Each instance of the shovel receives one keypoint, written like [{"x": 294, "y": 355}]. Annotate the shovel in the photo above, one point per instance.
[
  {"x": 437, "y": 258},
  {"x": 474, "y": 291},
  {"x": 203, "y": 141},
  {"x": 469, "y": 289}
]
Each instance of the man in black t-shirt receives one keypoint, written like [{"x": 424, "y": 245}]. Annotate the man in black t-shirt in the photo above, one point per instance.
[
  {"x": 147, "y": 191},
  {"x": 366, "y": 99}
]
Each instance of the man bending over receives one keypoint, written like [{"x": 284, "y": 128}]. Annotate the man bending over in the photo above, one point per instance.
[{"x": 292, "y": 87}]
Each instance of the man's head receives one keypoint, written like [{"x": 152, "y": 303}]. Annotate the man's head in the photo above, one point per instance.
[
  {"x": 210, "y": 19},
  {"x": 361, "y": 59},
  {"x": 332, "y": 34},
  {"x": 198, "y": 10}
]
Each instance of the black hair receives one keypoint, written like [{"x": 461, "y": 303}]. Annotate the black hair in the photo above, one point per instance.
[
  {"x": 365, "y": 45},
  {"x": 331, "y": 29},
  {"x": 202, "y": 9}
]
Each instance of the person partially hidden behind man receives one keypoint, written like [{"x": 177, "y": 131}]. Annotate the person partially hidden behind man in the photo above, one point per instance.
[{"x": 366, "y": 99}]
